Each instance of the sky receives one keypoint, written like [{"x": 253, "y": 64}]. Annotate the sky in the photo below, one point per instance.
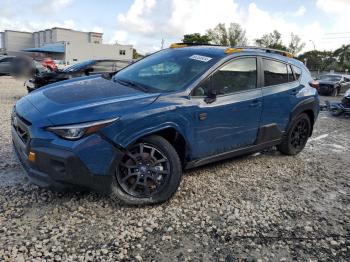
[{"x": 144, "y": 23}]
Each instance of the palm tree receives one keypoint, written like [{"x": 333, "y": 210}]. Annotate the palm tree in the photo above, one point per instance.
[{"x": 343, "y": 56}]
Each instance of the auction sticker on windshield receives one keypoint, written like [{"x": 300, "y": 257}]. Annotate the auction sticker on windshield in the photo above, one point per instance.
[{"x": 200, "y": 58}]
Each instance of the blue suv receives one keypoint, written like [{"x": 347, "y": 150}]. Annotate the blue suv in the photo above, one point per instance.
[{"x": 130, "y": 135}]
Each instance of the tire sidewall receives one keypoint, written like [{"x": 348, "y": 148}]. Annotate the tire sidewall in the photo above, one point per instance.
[
  {"x": 294, "y": 151},
  {"x": 169, "y": 189}
]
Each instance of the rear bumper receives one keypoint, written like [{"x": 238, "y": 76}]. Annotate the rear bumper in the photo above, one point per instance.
[{"x": 62, "y": 169}]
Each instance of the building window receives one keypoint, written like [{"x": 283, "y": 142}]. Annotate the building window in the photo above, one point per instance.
[{"x": 122, "y": 52}]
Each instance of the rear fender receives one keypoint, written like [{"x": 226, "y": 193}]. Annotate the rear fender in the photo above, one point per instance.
[{"x": 308, "y": 105}]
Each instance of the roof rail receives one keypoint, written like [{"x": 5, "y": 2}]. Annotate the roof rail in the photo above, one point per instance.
[
  {"x": 176, "y": 45},
  {"x": 235, "y": 49},
  {"x": 267, "y": 50}
]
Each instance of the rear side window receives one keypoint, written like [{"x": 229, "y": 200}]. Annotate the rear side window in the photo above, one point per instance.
[
  {"x": 7, "y": 59},
  {"x": 297, "y": 72},
  {"x": 275, "y": 73}
]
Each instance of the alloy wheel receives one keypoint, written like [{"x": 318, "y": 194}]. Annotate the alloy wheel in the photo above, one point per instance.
[
  {"x": 300, "y": 134},
  {"x": 144, "y": 171}
]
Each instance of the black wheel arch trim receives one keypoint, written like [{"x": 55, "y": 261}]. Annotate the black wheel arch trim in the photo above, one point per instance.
[{"x": 307, "y": 105}]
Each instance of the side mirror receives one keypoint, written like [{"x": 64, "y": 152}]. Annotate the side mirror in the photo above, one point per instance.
[{"x": 211, "y": 97}]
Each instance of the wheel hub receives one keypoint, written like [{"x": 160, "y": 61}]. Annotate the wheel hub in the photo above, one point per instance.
[{"x": 143, "y": 171}]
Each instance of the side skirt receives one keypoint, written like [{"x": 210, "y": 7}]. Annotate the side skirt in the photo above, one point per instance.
[{"x": 231, "y": 154}]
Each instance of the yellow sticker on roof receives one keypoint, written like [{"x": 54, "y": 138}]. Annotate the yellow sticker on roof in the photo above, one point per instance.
[{"x": 200, "y": 58}]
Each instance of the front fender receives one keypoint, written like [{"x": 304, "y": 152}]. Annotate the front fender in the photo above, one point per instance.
[{"x": 130, "y": 128}]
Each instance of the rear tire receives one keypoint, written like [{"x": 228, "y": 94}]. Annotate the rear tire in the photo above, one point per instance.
[
  {"x": 149, "y": 173},
  {"x": 297, "y": 135}
]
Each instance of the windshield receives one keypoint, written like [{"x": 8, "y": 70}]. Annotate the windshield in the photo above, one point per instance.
[
  {"x": 78, "y": 66},
  {"x": 168, "y": 70},
  {"x": 330, "y": 78}
]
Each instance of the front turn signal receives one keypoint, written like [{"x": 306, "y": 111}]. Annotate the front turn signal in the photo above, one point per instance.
[{"x": 31, "y": 157}]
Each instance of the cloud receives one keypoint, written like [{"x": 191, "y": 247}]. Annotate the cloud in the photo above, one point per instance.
[
  {"x": 51, "y": 7},
  {"x": 301, "y": 11},
  {"x": 7, "y": 23},
  {"x": 120, "y": 37},
  {"x": 340, "y": 7},
  {"x": 135, "y": 17},
  {"x": 148, "y": 21},
  {"x": 338, "y": 19}
]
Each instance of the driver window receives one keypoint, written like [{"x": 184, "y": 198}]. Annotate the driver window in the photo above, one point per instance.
[
  {"x": 238, "y": 75},
  {"x": 164, "y": 68}
]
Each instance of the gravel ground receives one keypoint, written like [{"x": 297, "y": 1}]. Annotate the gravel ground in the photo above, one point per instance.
[{"x": 262, "y": 207}]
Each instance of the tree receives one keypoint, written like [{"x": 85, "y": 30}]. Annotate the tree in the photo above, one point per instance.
[
  {"x": 295, "y": 45},
  {"x": 342, "y": 54},
  {"x": 234, "y": 35},
  {"x": 196, "y": 38},
  {"x": 272, "y": 40},
  {"x": 135, "y": 54},
  {"x": 319, "y": 60}
]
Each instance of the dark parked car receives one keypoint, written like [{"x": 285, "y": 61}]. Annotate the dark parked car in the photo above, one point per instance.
[
  {"x": 6, "y": 65},
  {"x": 86, "y": 68},
  {"x": 333, "y": 84},
  {"x": 17, "y": 66},
  {"x": 132, "y": 135}
]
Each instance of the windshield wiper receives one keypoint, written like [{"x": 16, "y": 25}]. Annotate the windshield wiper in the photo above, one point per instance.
[{"x": 132, "y": 84}]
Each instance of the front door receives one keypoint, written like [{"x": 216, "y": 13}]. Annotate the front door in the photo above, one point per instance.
[{"x": 231, "y": 119}]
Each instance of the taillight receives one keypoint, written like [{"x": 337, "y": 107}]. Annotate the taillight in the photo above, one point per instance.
[{"x": 314, "y": 84}]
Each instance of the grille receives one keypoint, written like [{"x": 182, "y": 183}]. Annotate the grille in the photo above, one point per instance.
[{"x": 21, "y": 127}]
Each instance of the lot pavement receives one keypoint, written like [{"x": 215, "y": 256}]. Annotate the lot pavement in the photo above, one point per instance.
[{"x": 264, "y": 207}]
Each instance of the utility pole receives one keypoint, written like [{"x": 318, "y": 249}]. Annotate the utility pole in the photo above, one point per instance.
[{"x": 313, "y": 44}]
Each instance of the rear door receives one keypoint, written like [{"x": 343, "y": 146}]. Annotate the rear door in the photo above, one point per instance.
[
  {"x": 232, "y": 120},
  {"x": 280, "y": 88}
]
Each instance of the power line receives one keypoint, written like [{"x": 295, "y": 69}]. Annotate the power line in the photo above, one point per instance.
[{"x": 340, "y": 33}]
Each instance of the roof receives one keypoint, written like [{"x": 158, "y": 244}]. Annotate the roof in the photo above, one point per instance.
[{"x": 48, "y": 48}]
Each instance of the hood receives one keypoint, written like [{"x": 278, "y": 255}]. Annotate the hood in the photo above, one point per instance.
[
  {"x": 327, "y": 82},
  {"x": 87, "y": 99}
]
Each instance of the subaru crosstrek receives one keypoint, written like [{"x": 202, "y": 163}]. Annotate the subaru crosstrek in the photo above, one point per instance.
[{"x": 132, "y": 134}]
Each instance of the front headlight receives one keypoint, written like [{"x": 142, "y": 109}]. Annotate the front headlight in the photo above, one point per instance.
[{"x": 76, "y": 131}]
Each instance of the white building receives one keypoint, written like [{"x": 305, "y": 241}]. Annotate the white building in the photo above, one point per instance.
[{"x": 67, "y": 45}]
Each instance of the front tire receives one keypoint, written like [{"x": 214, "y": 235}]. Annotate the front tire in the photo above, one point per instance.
[
  {"x": 297, "y": 135},
  {"x": 335, "y": 92},
  {"x": 149, "y": 172}
]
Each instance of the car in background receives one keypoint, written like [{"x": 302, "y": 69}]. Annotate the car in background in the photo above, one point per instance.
[
  {"x": 6, "y": 65},
  {"x": 60, "y": 64},
  {"x": 17, "y": 66},
  {"x": 85, "y": 68},
  {"x": 131, "y": 136},
  {"x": 49, "y": 64},
  {"x": 333, "y": 84}
]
